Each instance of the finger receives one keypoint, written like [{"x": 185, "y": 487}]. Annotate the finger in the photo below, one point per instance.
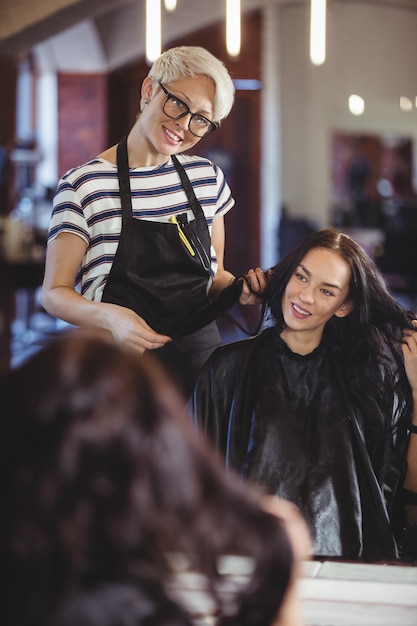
[
  {"x": 405, "y": 347},
  {"x": 245, "y": 288},
  {"x": 147, "y": 332},
  {"x": 256, "y": 281},
  {"x": 410, "y": 340},
  {"x": 143, "y": 344},
  {"x": 157, "y": 340}
]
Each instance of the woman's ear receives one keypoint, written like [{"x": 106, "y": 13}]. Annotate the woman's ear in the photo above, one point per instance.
[
  {"x": 345, "y": 308},
  {"x": 147, "y": 87}
]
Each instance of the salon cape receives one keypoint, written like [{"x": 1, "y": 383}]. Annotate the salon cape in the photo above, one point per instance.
[{"x": 281, "y": 420}]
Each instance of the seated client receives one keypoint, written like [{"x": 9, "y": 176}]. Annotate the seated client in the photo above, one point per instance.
[{"x": 319, "y": 408}]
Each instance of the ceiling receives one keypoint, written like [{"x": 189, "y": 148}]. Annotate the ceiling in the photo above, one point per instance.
[
  {"x": 97, "y": 35},
  {"x": 101, "y": 35}
]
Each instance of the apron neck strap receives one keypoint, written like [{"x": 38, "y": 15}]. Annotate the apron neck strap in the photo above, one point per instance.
[
  {"x": 124, "y": 179},
  {"x": 188, "y": 188}
]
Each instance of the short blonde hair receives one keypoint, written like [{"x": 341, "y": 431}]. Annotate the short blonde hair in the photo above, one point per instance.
[{"x": 181, "y": 61}]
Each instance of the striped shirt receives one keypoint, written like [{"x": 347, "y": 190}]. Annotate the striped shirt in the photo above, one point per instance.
[{"x": 87, "y": 204}]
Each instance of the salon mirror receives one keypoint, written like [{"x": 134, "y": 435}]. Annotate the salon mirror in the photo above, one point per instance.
[{"x": 323, "y": 162}]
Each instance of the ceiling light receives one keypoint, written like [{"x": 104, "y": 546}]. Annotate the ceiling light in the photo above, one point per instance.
[
  {"x": 318, "y": 31},
  {"x": 356, "y": 105},
  {"x": 153, "y": 29},
  {"x": 170, "y": 5},
  {"x": 406, "y": 104},
  {"x": 233, "y": 27}
]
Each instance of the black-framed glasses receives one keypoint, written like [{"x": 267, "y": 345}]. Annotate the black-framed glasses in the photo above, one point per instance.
[{"x": 175, "y": 108}]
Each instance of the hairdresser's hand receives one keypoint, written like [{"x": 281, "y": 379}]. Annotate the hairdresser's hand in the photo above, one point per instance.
[
  {"x": 64, "y": 257},
  {"x": 253, "y": 286},
  {"x": 129, "y": 328},
  {"x": 409, "y": 346}
]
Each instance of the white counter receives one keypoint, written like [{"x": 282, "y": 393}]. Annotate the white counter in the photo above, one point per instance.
[
  {"x": 333, "y": 593},
  {"x": 350, "y": 594}
]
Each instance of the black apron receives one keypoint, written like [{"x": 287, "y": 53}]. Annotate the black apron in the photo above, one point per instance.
[{"x": 161, "y": 271}]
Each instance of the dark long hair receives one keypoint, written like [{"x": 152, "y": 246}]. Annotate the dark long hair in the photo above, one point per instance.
[
  {"x": 367, "y": 342},
  {"x": 102, "y": 476}
]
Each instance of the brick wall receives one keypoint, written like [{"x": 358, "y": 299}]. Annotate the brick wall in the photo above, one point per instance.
[
  {"x": 82, "y": 118},
  {"x": 8, "y": 74}
]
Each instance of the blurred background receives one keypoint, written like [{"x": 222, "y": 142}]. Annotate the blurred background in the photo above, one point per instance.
[{"x": 307, "y": 145}]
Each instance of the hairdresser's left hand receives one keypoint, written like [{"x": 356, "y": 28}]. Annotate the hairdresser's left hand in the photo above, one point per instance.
[
  {"x": 253, "y": 286},
  {"x": 410, "y": 356}
]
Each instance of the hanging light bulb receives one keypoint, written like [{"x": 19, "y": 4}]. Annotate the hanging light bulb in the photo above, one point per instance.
[
  {"x": 170, "y": 5},
  {"x": 406, "y": 104},
  {"x": 356, "y": 104},
  {"x": 233, "y": 27},
  {"x": 318, "y": 32},
  {"x": 153, "y": 29}
]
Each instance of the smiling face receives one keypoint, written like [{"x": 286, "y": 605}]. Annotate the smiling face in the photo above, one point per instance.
[
  {"x": 163, "y": 135},
  {"x": 317, "y": 290}
]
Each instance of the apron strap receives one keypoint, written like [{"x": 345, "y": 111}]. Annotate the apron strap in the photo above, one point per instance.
[
  {"x": 124, "y": 183},
  {"x": 188, "y": 188},
  {"x": 124, "y": 179}
]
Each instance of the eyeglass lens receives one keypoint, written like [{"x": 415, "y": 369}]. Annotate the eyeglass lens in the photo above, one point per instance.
[{"x": 176, "y": 108}]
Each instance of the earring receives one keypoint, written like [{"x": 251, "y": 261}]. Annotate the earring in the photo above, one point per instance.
[{"x": 146, "y": 102}]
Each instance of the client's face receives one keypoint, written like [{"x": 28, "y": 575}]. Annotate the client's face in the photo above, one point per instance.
[{"x": 317, "y": 290}]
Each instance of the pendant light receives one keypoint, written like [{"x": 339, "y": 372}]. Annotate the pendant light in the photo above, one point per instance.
[
  {"x": 233, "y": 29},
  {"x": 153, "y": 30},
  {"x": 318, "y": 32}
]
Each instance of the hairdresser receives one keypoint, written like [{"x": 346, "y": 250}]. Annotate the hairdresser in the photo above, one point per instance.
[{"x": 136, "y": 239}]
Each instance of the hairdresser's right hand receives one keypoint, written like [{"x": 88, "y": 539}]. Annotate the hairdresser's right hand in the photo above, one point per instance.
[
  {"x": 129, "y": 328},
  {"x": 64, "y": 257}
]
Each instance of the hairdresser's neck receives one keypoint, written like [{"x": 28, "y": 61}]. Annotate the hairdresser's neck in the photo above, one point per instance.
[{"x": 141, "y": 152}]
